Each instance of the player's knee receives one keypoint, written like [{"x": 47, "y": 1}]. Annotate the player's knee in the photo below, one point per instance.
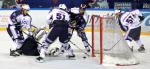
[
  {"x": 46, "y": 43},
  {"x": 128, "y": 38},
  {"x": 66, "y": 40},
  {"x": 136, "y": 39}
]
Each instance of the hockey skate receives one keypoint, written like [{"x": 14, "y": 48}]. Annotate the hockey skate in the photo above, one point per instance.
[
  {"x": 15, "y": 53},
  {"x": 39, "y": 59},
  {"x": 141, "y": 49},
  {"x": 72, "y": 56}
]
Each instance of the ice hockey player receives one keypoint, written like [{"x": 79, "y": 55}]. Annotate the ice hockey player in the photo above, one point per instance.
[
  {"x": 59, "y": 19},
  {"x": 130, "y": 22},
  {"x": 78, "y": 23},
  {"x": 18, "y": 19}
]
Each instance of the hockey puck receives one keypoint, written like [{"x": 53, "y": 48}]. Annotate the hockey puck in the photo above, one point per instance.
[{"x": 84, "y": 57}]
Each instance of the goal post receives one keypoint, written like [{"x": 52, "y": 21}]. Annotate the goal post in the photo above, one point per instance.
[{"x": 108, "y": 44}]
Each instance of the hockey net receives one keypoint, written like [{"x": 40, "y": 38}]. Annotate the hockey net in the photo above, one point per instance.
[{"x": 108, "y": 44}]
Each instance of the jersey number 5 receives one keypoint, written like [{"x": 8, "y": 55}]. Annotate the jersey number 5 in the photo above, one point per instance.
[{"x": 60, "y": 16}]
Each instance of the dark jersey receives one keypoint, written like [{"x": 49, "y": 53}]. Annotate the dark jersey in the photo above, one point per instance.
[{"x": 77, "y": 19}]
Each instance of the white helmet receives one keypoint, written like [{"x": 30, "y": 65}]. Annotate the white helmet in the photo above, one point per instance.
[
  {"x": 62, "y": 6},
  {"x": 25, "y": 6},
  {"x": 117, "y": 11}
]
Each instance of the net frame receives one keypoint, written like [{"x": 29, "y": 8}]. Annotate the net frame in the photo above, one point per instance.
[{"x": 101, "y": 50}]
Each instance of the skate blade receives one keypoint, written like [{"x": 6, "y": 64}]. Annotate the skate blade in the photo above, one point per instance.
[
  {"x": 39, "y": 61},
  {"x": 70, "y": 58}
]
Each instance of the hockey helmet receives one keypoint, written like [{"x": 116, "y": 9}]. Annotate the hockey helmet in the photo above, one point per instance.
[
  {"x": 117, "y": 11},
  {"x": 25, "y": 7},
  {"x": 62, "y": 6}
]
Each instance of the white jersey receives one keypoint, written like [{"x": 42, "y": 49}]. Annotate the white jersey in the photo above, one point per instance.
[
  {"x": 25, "y": 21},
  {"x": 131, "y": 19},
  {"x": 57, "y": 14}
]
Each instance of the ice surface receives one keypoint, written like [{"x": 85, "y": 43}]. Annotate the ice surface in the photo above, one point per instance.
[{"x": 28, "y": 62}]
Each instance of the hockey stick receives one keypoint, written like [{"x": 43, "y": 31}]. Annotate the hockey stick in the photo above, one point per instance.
[
  {"x": 113, "y": 45},
  {"x": 34, "y": 26},
  {"x": 89, "y": 44},
  {"x": 79, "y": 48}
]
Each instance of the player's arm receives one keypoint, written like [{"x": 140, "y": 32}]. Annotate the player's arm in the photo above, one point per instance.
[
  {"x": 123, "y": 28},
  {"x": 13, "y": 18},
  {"x": 49, "y": 19}
]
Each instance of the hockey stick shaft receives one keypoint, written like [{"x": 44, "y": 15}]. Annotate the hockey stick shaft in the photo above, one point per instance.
[
  {"x": 79, "y": 48},
  {"x": 113, "y": 45},
  {"x": 89, "y": 44},
  {"x": 34, "y": 26}
]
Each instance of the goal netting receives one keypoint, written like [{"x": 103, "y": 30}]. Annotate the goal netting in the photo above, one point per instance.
[{"x": 108, "y": 44}]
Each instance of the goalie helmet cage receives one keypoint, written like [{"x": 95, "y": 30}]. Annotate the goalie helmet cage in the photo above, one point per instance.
[{"x": 108, "y": 43}]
